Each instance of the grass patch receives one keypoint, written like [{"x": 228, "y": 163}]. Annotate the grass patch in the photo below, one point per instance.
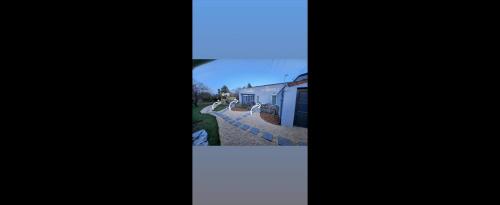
[
  {"x": 220, "y": 107},
  {"x": 206, "y": 122}
]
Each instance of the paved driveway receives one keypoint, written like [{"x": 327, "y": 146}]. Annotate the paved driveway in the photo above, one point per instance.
[{"x": 242, "y": 129}]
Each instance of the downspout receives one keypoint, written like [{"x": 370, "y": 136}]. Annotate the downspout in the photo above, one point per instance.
[{"x": 282, "y": 91}]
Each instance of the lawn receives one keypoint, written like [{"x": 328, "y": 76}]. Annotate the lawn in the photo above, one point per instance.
[{"x": 206, "y": 122}]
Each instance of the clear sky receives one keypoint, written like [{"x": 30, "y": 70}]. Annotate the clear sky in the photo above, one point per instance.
[
  {"x": 237, "y": 73},
  {"x": 225, "y": 29}
]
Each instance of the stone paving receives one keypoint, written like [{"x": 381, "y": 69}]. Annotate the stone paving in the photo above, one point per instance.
[{"x": 242, "y": 129}]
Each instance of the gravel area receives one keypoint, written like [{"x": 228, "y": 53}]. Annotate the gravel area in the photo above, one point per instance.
[{"x": 273, "y": 119}]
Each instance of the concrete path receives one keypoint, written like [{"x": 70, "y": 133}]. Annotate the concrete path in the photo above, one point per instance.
[{"x": 242, "y": 129}]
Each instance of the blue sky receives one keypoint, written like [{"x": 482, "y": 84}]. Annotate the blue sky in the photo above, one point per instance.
[
  {"x": 239, "y": 72},
  {"x": 249, "y": 29}
]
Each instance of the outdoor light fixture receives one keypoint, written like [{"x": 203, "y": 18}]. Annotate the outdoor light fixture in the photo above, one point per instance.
[
  {"x": 255, "y": 106},
  {"x": 216, "y": 104},
  {"x": 234, "y": 101}
]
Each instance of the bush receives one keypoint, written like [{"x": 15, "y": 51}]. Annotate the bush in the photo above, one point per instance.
[
  {"x": 269, "y": 108},
  {"x": 244, "y": 106}
]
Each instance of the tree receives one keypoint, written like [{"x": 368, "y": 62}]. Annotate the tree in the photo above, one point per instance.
[
  {"x": 205, "y": 96},
  {"x": 249, "y": 86},
  {"x": 198, "y": 88},
  {"x": 224, "y": 89}
]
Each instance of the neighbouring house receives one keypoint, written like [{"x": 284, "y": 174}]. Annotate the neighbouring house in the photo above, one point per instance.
[{"x": 290, "y": 97}]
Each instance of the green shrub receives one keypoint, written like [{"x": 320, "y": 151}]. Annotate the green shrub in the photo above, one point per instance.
[{"x": 244, "y": 106}]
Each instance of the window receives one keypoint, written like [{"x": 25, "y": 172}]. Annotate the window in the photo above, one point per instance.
[
  {"x": 273, "y": 99},
  {"x": 247, "y": 98}
]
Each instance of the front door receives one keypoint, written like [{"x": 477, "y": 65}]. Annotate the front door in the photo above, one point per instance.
[{"x": 300, "y": 118}]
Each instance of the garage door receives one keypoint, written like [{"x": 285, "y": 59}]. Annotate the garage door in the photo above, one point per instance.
[{"x": 300, "y": 118}]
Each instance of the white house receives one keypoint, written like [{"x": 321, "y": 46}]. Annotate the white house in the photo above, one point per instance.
[{"x": 290, "y": 97}]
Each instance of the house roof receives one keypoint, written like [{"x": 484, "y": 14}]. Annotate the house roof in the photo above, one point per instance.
[
  {"x": 297, "y": 83},
  {"x": 198, "y": 62},
  {"x": 288, "y": 83},
  {"x": 304, "y": 74},
  {"x": 266, "y": 85}
]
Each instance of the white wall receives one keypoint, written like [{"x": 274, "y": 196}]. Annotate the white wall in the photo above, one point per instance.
[
  {"x": 264, "y": 92},
  {"x": 289, "y": 99},
  {"x": 278, "y": 102}
]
